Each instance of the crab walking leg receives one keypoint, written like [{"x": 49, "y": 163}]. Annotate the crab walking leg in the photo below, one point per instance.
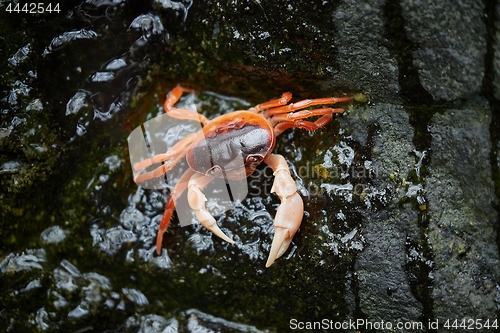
[
  {"x": 170, "y": 159},
  {"x": 305, "y": 104},
  {"x": 179, "y": 188},
  {"x": 303, "y": 114},
  {"x": 172, "y": 98},
  {"x": 282, "y": 122},
  {"x": 196, "y": 200},
  {"x": 161, "y": 170},
  {"x": 285, "y": 98},
  {"x": 179, "y": 148},
  {"x": 174, "y": 95},
  {"x": 291, "y": 210},
  {"x": 304, "y": 124}
]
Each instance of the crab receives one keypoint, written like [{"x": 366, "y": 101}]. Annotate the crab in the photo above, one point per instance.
[{"x": 211, "y": 153}]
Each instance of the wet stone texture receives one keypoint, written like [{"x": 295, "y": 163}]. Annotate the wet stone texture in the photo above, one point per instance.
[
  {"x": 449, "y": 45},
  {"x": 363, "y": 61},
  {"x": 463, "y": 220},
  {"x": 400, "y": 192},
  {"x": 384, "y": 289}
]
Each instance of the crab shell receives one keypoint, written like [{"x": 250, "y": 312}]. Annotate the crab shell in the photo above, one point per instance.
[{"x": 234, "y": 143}]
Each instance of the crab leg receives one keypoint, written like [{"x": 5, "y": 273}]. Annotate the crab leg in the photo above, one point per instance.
[
  {"x": 171, "y": 158},
  {"x": 178, "y": 151},
  {"x": 285, "y": 98},
  {"x": 304, "y": 104},
  {"x": 196, "y": 200},
  {"x": 179, "y": 188},
  {"x": 302, "y": 115},
  {"x": 291, "y": 210},
  {"x": 283, "y": 122},
  {"x": 178, "y": 113}
]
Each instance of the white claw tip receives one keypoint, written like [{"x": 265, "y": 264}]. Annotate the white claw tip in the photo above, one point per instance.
[
  {"x": 217, "y": 232},
  {"x": 280, "y": 244}
]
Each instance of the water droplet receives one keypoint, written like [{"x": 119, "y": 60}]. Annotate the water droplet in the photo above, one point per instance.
[
  {"x": 24, "y": 261},
  {"x": 113, "y": 162},
  {"x": 36, "y": 105},
  {"x": 102, "y": 77},
  {"x": 65, "y": 38},
  {"x": 149, "y": 24},
  {"x": 78, "y": 312},
  {"x": 135, "y": 296},
  {"x": 20, "y": 55},
  {"x": 116, "y": 64},
  {"x": 180, "y": 6},
  {"x": 54, "y": 234},
  {"x": 76, "y": 103},
  {"x": 10, "y": 167}
]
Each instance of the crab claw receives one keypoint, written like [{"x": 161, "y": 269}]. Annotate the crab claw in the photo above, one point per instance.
[
  {"x": 281, "y": 241},
  {"x": 196, "y": 200},
  {"x": 208, "y": 221},
  {"x": 291, "y": 210},
  {"x": 286, "y": 223}
]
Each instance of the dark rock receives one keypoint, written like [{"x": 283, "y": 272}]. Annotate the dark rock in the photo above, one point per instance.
[
  {"x": 384, "y": 289},
  {"x": 450, "y": 45},
  {"x": 383, "y": 280},
  {"x": 462, "y": 228},
  {"x": 364, "y": 63}
]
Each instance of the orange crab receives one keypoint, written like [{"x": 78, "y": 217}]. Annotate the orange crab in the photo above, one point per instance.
[{"x": 250, "y": 134}]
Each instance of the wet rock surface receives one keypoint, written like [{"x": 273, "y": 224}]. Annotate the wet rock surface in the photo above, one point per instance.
[
  {"x": 449, "y": 46},
  {"x": 384, "y": 289},
  {"x": 361, "y": 56},
  {"x": 461, "y": 232},
  {"x": 400, "y": 192}
]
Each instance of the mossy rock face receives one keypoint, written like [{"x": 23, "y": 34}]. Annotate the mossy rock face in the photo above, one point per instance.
[{"x": 399, "y": 191}]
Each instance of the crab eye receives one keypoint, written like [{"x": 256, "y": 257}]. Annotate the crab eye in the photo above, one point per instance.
[
  {"x": 254, "y": 159},
  {"x": 214, "y": 171}
]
